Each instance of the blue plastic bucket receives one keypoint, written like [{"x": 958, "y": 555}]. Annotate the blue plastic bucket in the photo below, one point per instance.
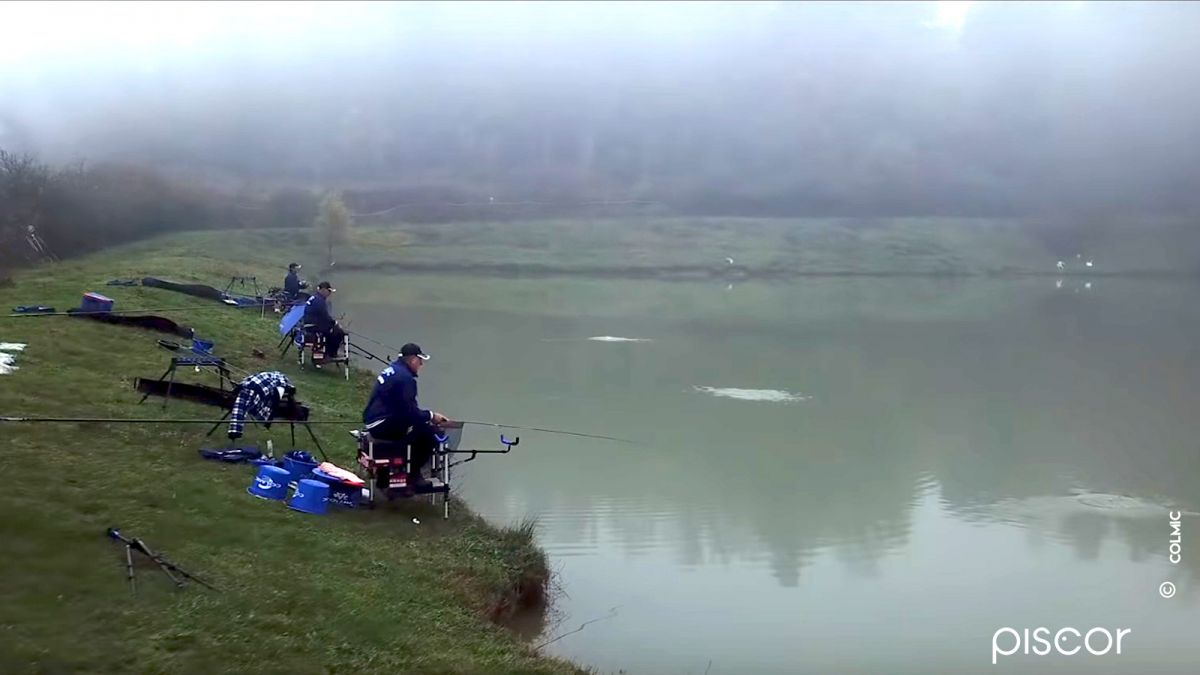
[
  {"x": 270, "y": 483},
  {"x": 297, "y": 468},
  {"x": 340, "y": 494},
  {"x": 310, "y": 497}
]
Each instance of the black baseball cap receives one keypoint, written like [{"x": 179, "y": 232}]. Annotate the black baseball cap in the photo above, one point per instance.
[
  {"x": 294, "y": 266},
  {"x": 326, "y": 284},
  {"x": 411, "y": 349}
]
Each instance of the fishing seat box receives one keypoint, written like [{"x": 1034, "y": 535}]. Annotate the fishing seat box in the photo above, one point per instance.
[
  {"x": 94, "y": 302},
  {"x": 383, "y": 461},
  {"x": 340, "y": 493}
]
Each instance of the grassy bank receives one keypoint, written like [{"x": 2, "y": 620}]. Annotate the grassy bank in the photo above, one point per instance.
[{"x": 348, "y": 592}]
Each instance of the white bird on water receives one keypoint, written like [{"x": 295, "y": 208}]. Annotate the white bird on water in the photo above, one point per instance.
[
  {"x": 729, "y": 260},
  {"x": 1088, "y": 263},
  {"x": 1087, "y": 284},
  {"x": 1060, "y": 265},
  {"x": 1058, "y": 284}
]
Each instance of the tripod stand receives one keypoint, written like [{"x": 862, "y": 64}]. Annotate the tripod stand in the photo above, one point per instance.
[
  {"x": 169, "y": 568},
  {"x": 289, "y": 403}
]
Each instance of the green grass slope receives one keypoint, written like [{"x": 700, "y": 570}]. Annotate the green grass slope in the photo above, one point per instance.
[{"x": 348, "y": 592}]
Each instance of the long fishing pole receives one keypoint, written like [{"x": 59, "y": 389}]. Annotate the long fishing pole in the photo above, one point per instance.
[
  {"x": 373, "y": 340},
  {"x": 22, "y": 315},
  {"x": 367, "y": 354},
  {"x": 123, "y": 420},
  {"x": 549, "y": 431}
]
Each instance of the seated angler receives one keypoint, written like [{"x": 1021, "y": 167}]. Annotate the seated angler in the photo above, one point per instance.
[
  {"x": 259, "y": 395},
  {"x": 392, "y": 412},
  {"x": 316, "y": 314},
  {"x": 292, "y": 284}
]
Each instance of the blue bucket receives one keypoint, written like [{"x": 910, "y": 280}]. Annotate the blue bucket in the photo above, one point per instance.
[
  {"x": 270, "y": 483},
  {"x": 310, "y": 497},
  {"x": 340, "y": 494},
  {"x": 297, "y": 469}
]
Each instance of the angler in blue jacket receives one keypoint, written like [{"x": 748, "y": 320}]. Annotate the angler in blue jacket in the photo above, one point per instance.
[
  {"x": 316, "y": 313},
  {"x": 392, "y": 412},
  {"x": 292, "y": 283}
]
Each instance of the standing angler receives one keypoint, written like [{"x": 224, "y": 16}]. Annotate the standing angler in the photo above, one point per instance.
[{"x": 392, "y": 413}]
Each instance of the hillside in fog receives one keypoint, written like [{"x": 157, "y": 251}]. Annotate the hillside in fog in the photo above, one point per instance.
[{"x": 750, "y": 108}]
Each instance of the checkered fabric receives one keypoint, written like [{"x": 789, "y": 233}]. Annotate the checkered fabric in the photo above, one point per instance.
[{"x": 256, "y": 397}]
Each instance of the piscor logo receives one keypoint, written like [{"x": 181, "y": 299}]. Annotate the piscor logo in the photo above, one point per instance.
[{"x": 1067, "y": 641}]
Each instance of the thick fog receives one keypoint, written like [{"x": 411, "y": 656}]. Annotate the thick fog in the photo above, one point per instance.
[{"x": 778, "y": 107}]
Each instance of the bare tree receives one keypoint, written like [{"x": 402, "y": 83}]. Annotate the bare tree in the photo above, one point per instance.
[
  {"x": 23, "y": 186},
  {"x": 333, "y": 223}
]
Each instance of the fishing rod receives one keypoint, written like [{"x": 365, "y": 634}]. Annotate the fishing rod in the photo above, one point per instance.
[
  {"x": 367, "y": 354},
  {"x": 549, "y": 431},
  {"x": 373, "y": 340},
  {"x": 123, "y": 420},
  {"x": 123, "y": 311}
]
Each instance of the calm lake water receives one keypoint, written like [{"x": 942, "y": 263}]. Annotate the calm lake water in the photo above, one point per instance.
[{"x": 831, "y": 475}]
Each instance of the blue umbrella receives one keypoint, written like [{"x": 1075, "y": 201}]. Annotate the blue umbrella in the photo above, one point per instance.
[{"x": 289, "y": 320}]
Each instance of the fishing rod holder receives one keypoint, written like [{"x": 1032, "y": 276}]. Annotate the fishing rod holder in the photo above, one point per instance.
[
  {"x": 508, "y": 446},
  {"x": 169, "y": 568},
  {"x": 262, "y": 301},
  {"x": 243, "y": 280},
  {"x": 196, "y": 361}
]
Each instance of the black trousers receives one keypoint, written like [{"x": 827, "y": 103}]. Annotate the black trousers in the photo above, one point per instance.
[
  {"x": 333, "y": 341},
  {"x": 420, "y": 441}
]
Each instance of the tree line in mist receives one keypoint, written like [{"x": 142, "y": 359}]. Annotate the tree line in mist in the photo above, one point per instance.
[
  {"x": 793, "y": 109},
  {"x": 49, "y": 212}
]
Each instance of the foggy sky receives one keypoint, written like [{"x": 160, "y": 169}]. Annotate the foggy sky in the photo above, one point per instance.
[{"x": 796, "y": 108}]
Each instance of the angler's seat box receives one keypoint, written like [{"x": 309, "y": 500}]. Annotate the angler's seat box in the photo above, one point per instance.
[
  {"x": 382, "y": 466},
  {"x": 383, "y": 463},
  {"x": 311, "y": 348},
  {"x": 94, "y": 302}
]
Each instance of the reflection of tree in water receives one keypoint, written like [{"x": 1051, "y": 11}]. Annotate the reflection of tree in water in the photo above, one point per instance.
[
  {"x": 797, "y": 503},
  {"x": 788, "y": 505},
  {"x": 1080, "y": 432},
  {"x": 738, "y": 482}
]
